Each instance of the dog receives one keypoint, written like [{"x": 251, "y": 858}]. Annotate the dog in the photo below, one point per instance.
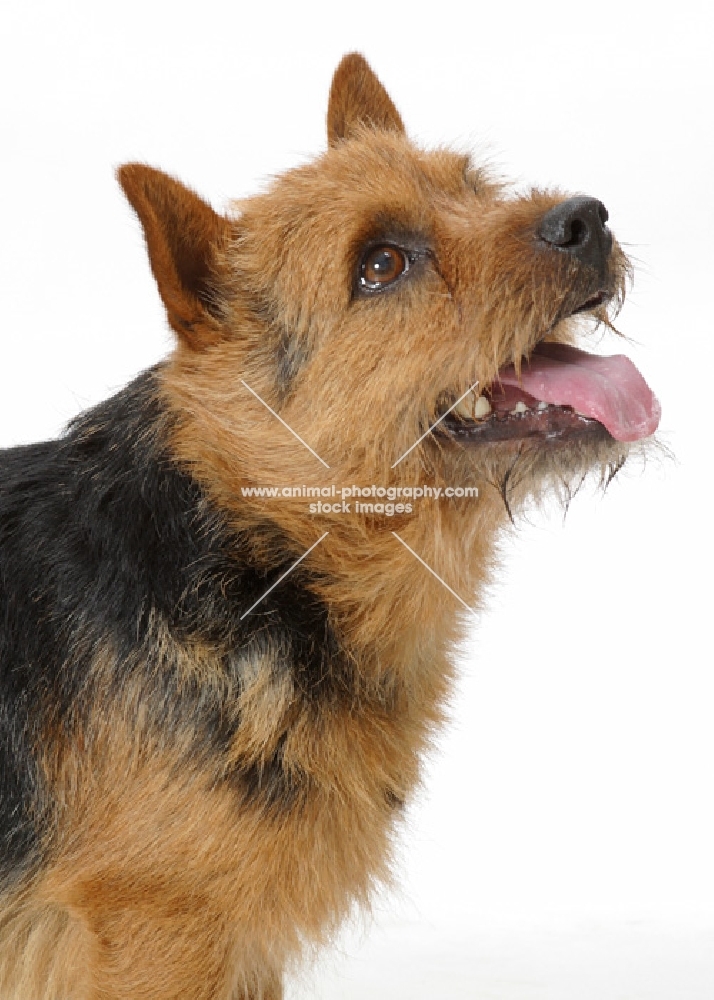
[{"x": 230, "y": 593}]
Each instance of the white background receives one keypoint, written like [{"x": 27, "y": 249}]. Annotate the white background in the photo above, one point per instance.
[{"x": 563, "y": 844}]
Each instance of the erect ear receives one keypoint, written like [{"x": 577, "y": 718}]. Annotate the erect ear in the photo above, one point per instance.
[
  {"x": 358, "y": 98},
  {"x": 182, "y": 235}
]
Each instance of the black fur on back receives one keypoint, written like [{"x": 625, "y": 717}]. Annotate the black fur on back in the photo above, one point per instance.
[{"x": 102, "y": 535}]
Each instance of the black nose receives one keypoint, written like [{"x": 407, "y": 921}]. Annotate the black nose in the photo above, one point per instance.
[{"x": 577, "y": 226}]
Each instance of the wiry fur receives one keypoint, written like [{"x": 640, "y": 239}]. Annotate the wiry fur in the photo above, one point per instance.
[{"x": 191, "y": 794}]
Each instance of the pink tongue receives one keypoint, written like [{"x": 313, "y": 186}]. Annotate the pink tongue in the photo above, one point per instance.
[{"x": 610, "y": 390}]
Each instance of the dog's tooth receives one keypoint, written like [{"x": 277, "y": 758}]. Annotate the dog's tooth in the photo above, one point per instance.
[
  {"x": 542, "y": 406},
  {"x": 464, "y": 407},
  {"x": 482, "y": 407},
  {"x": 520, "y": 407}
]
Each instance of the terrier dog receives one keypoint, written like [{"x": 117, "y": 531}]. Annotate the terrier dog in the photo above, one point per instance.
[{"x": 215, "y": 693}]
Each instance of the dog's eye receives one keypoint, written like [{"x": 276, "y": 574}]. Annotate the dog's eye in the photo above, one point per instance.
[{"x": 381, "y": 266}]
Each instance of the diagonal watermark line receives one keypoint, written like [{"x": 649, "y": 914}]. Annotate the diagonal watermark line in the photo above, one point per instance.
[
  {"x": 281, "y": 578},
  {"x": 277, "y": 415},
  {"x": 435, "y": 424},
  {"x": 426, "y": 566}
]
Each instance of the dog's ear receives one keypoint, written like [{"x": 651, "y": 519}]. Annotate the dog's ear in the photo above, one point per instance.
[
  {"x": 358, "y": 98},
  {"x": 183, "y": 235}
]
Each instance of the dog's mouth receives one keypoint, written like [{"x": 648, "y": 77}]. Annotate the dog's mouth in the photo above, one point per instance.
[{"x": 561, "y": 394}]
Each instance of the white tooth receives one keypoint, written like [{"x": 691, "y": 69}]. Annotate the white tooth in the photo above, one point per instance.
[
  {"x": 520, "y": 407},
  {"x": 482, "y": 407},
  {"x": 542, "y": 406},
  {"x": 463, "y": 408}
]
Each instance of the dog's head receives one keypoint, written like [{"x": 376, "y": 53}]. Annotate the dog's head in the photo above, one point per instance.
[{"x": 385, "y": 295}]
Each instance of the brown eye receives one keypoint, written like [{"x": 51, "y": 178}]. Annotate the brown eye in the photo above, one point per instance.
[{"x": 381, "y": 266}]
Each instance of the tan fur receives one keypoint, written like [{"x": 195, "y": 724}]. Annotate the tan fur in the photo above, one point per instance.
[
  {"x": 45, "y": 952},
  {"x": 162, "y": 864}
]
